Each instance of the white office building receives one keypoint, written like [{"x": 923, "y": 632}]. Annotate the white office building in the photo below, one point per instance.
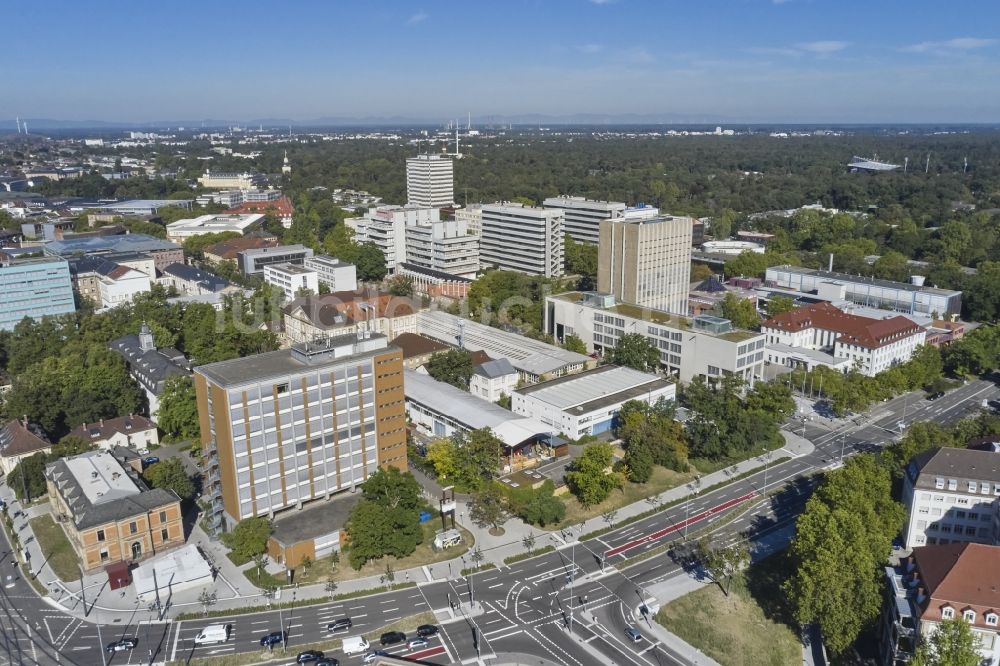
[
  {"x": 443, "y": 246},
  {"x": 524, "y": 239},
  {"x": 584, "y": 216},
  {"x": 334, "y": 273},
  {"x": 291, "y": 279},
  {"x": 181, "y": 230},
  {"x": 689, "y": 347},
  {"x": 472, "y": 215},
  {"x": 647, "y": 261},
  {"x": 385, "y": 227},
  {"x": 952, "y": 495},
  {"x": 430, "y": 181},
  {"x": 588, "y": 403},
  {"x": 120, "y": 285}
]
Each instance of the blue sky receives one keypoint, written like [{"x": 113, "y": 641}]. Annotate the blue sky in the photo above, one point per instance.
[{"x": 748, "y": 60}]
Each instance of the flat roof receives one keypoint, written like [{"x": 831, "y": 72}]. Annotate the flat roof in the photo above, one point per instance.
[
  {"x": 861, "y": 279},
  {"x": 285, "y": 362},
  {"x": 101, "y": 477},
  {"x": 147, "y": 203},
  {"x": 527, "y": 355},
  {"x": 291, "y": 269},
  {"x": 314, "y": 519},
  {"x": 601, "y": 386},
  {"x": 470, "y": 411}
]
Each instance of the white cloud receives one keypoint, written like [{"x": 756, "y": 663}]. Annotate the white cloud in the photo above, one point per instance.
[
  {"x": 419, "y": 17},
  {"x": 823, "y": 47},
  {"x": 590, "y": 48},
  {"x": 640, "y": 55},
  {"x": 956, "y": 44}
]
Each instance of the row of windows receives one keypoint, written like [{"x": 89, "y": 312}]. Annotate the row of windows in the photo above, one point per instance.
[
  {"x": 743, "y": 349},
  {"x": 617, "y": 321},
  {"x": 983, "y": 487},
  {"x": 969, "y": 615}
]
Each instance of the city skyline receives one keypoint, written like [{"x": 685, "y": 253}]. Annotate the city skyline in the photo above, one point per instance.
[{"x": 754, "y": 61}]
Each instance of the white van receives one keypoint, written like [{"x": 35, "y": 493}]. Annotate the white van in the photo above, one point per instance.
[
  {"x": 355, "y": 645},
  {"x": 213, "y": 633}
]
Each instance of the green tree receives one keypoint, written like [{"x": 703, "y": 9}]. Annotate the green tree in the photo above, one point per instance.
[
  {"x": 442, "y": 455},
  {"x": 249, "y": 538},
  {"x": 400, "y": 285},
  {"x": 589, "y": 478},
  {"x": 777, "y": 305},
  {"x": 177, "y": 415},
  {"x": 71, "y": 445},
  {"x": 722, "y": 224},
  {"x": 536, "y": 506},
  {"x": 477, "y": 458},
  {"x": 749, "y": 264},
  {"x": 573, "y": 343},
  {"x": 741, "y": 311},
  {"x": 723, "y": 562},
  {"x": 392, "y": 489},
  {"x": 376, "y": 530},
  {"x": 489, "y": 507},
  {"x": 580, "y": 259},
  {"x": 452, "y": 367},
  {"x": 170, "y": 475},
  {"x": 952, "y": 643},
  {"x": 370, "y": 263},
  {"x": 29, "y": 474},
  {"x": 634, "y": 351}
]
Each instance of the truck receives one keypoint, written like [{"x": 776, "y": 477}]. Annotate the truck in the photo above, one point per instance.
[
  {"x": 355, "y": 645},
  {"x": 213, "y": 633}
]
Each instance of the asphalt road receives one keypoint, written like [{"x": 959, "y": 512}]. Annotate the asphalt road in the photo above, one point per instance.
[{"x": 525, "y": 607}]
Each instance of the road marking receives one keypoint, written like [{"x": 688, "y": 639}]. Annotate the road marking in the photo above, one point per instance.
[
  {"x": 177, "y": 636},
  {"x": 390, "y": 610},
  {"x": 507, "y": 635},
  {"x": 490, "y": 587}
]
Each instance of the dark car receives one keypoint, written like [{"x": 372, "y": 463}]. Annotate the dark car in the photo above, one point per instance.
[
  {"x": 272, "y": 638},
  {"x": 327, "y": 661},
  {"x": 426, "y": 630},
  {"x": 150, "y": 460},
  {"x": 121, "y": 645},
  {"x": 309, "y": 656},
  {"x": 392, "y": 637},
  {"x": 935, "y": 396},
  {"x": 343, "y": 624}
]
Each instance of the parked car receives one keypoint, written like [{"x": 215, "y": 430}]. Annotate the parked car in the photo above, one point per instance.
[
  {"x": 343, "y": 624},
  {"x": 392, "y": 637},
  {"x": 426, "y": 630},
  {"x": 419, "y": 642},
  {"x": 935, "y": 396},
  {"x": 272, "y": 639},
  {"x": 309, "y": 656},
  {"x": 373, "y": 655},
  {"x": 633, "y": 634},
  {"x": 327, "y": 661},
  {"x": 150, "y": 460},
  {"x": 121, "y": 645}
]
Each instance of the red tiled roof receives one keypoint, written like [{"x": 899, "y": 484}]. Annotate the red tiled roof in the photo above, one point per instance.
[
  {"x": 108, "y": 427},
  {"x": 228, "y": 249},
  {"x": 323, "y": 310},
  {"x": 960, "y": 575},
  {"x": 281, "y": 207},
  {"x": 853, "y": 329}
]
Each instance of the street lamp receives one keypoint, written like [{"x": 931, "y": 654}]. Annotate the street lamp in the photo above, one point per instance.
[
  {"x": 687, "y": 505},
  {"x": 843, "y": 440}
]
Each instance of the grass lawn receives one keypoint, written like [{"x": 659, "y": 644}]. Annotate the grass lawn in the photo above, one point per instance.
[
  {"x": 323, "y": 570},
  {"x": 661, "y": 480},
  {"x": 747, "y": 628},
  {"x": 55, "y": 546}
]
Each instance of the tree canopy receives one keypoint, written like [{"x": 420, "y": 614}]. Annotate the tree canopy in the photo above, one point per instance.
[
  {"x": 170, "y": 475},
  {"x": 635, "y": 351},
  {"x": 453, "y": 366}
]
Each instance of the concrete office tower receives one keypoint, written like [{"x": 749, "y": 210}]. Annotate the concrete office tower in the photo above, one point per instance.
[
  {"x": 286, "y": 427},
  {"x": 443, "y": 246},
  {"x": 520, "y": 238},
  {"x": 584, "y": 216},
  {"x": 430, "y": 181},
  {"x": 647, "y": 262}
]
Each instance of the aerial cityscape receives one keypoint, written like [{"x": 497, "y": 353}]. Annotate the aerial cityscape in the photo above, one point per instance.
[{"x": 570, "y": 333}]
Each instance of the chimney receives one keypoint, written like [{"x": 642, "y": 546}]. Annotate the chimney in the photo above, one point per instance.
[
  {"x": 25, "y": 420},
  {"x": 102, "y": 422},
  {"x": 920, "y": 595}
]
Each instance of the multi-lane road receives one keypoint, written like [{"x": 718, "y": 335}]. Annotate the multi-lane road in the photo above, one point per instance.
[{"x": 526, "y": 608}]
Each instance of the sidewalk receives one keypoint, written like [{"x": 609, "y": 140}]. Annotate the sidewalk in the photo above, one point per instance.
[{"x": 234, "y": 591}]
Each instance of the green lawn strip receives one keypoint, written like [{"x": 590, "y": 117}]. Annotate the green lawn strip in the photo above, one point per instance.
[
  {"x": 750, "y": 627},
  {"x": 483, "y": 567},
  {"x": 525, "y": 556},
  {"x": 298, "y": 603},
  {"x": 56, "y": 548}
]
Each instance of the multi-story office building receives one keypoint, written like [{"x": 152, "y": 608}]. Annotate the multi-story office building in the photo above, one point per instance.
[
  {"x": 386, "y": 228},
  {"x": 163, "y": 252},
  {"x": 119, "y": 285},
  {"x": 443, "y": 246},
  {"x": 697, "y": 346},
  {"x": 287, "y": 427},
  {"x": 108, "y": 511},
  {"x": 647, "y": 261},
  {"x": 181, "y": 230},
  {"x": 521, "y": 238},
  {"x": 472, "y": 215},
  {"x": 232, "y": 181},
  {"x": 911, "y": 298},
  {"x": 850, "y": 341},
  {"x": 291, "y": 279},
  {"x": 253, "y": 261},
  {"x": 334, "y": 273},
  {"x": 584, "y": 216},
  {"x": 33, "y": 288},
  {"x": 430, "y": 181},
  {"x": 952, "y": 495}
]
